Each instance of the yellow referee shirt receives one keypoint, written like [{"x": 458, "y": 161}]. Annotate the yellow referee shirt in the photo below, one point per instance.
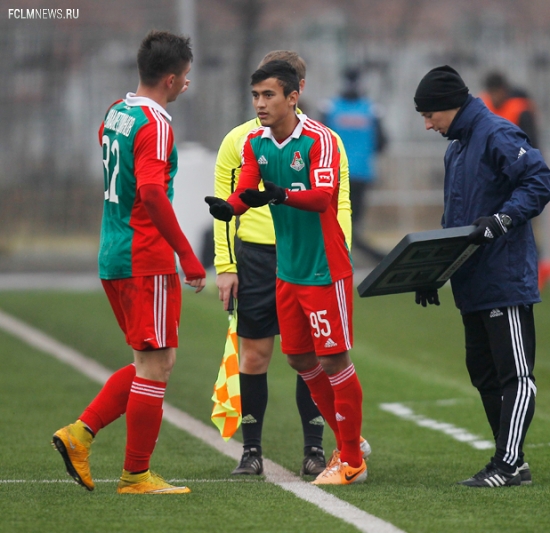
[{"x": 256, "y": 225}]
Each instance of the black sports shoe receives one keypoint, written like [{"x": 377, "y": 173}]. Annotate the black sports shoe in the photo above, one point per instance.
[
  {"x": 251, "y": 464},
  {"x": 493, "y": 476},
  {"x": 314, "y": 462},
  {"x": 525, "y": 474}
]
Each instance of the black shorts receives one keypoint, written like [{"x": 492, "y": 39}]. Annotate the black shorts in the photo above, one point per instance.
[{"x": 257, "y": 310}]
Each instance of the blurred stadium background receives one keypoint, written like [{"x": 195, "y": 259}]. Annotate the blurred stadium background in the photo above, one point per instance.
[{"x": 59, "y": 76}]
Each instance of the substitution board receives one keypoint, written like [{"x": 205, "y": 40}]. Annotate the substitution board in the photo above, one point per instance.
[{"x": 421, "y": 261}]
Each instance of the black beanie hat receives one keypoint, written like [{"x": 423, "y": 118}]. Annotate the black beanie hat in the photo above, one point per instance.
[{"x": 439, "y": 90}]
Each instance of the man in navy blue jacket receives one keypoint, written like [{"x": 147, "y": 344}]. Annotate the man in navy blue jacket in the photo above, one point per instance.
[{"x": 496, "y": 181}]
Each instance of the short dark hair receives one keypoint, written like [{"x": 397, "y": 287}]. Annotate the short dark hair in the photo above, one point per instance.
[
  {"x": 283, "y": 71},
  {"x": 162, "y": 53}
]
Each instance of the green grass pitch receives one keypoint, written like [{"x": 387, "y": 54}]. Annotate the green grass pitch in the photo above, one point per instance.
[{"x": 403, "y": 354}]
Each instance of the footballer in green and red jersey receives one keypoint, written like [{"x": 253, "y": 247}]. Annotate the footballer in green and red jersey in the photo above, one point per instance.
[
  {"x": 137, "y": 265},
  {"x": 138, "y": 149},
  {"x": 311, "y": 251},
  {"x": 298, "y": 161},
  {"x": 139, "y": 236}
]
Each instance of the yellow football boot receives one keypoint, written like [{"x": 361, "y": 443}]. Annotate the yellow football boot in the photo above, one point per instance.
[
  {"x": 73, "y": 443},
  {"x": 147, "y": 483}
]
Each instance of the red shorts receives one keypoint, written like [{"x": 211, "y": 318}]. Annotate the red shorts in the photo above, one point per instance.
[
  {"x": 147, "y": 309},
  {"x": 315, "y": 318}
]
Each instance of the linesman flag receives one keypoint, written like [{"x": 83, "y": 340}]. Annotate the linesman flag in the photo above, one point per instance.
[{"x": 227, "y": 411}]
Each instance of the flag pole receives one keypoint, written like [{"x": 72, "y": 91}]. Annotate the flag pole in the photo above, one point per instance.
[{"x": 227, "y": 409}]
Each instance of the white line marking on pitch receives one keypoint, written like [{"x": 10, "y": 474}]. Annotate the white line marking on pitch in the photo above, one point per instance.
[
  {"x": 8, "y": 481},
  {"x": 274, "y": 473},
  {"x": 462, "y": 435}
]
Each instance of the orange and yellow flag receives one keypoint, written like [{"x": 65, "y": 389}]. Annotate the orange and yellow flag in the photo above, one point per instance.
[{"x": 227, "y": 410}]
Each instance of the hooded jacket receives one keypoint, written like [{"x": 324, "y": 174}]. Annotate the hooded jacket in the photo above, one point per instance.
[{"x": 490, "y": 167}]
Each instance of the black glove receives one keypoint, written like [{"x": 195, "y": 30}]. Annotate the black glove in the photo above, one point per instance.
[
  {"x": 427, "y": 297},
  {"x": 219, "y": 208},
  {"x": 273, "y": 194},
  {"x": 488, "y": 229}
]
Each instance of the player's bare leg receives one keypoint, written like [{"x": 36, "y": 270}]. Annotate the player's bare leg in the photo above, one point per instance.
[
  {"x": 255, "y": 355},
  {"x": 155, "y": 365}
]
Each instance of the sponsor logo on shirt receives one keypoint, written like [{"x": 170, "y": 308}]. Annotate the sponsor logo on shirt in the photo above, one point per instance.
[
  {"x": 324, "y": 177},
  {"x": 262, "y": 161},
  {"x": 297, "y": 163}
]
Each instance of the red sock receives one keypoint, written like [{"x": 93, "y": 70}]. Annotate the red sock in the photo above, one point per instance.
[
  {"x": 348, "y": 402},
  {"x": 111, "y": 401},
  {"x": 322, "y": 394},
  {"x": 143, "y": 418}
]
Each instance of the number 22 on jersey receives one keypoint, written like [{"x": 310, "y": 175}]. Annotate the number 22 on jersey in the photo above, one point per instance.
[{"x": 112, "y": 166}]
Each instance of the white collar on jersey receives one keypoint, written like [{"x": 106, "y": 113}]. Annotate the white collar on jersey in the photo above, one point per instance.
[
  {"x": 294, "y": 135},
  {"x": 133, "y": 100}
]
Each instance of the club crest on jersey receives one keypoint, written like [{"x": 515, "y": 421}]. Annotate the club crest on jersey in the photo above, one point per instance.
[
  {"x": 324, "y": 177},
  {"x": 297, "y": 163}
]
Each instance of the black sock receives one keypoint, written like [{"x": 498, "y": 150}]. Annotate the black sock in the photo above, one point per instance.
[
  {"x": 492, "y": 403},
  {"x": 313, "y": 423},
  {"x": 254, "y": 403}
]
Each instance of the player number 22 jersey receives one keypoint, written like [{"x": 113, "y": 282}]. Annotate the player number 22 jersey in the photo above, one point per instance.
[{"x": 138, "y": 149}]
